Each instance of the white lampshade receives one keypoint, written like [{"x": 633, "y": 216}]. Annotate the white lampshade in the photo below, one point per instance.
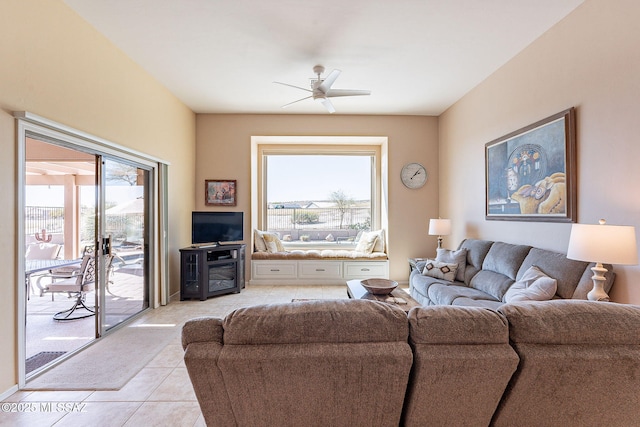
[
  {"x": 439, "y": 227},
  {"x": 607, "y": 244}
]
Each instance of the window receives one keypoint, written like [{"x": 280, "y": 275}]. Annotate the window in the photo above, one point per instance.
[{"x": 318, "y": 195}]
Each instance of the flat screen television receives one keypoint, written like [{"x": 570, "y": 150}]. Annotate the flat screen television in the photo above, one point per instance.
[{"x": 216, "y": 227}]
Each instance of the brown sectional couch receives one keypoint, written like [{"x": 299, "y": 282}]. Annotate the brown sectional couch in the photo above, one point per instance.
[
  {"x": 491, "y": 268},
  {"x": 363, "y": 363}
]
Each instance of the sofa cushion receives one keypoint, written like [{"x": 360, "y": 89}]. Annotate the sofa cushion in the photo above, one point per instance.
[
  {"x": 420, "y": 286},
  {"x": 476, "y": 252},
  {"x": 580, "y": 364},
  {"x": 492, "y": 283},
  {"x": 458, "y": 257},
  {"x": 505, "y": 258},
  {"x": 567, "y": 272},
  {"x": 482, "y": 303},
  {"x": 447, "y": 294},
  {"x": 533, "y": 286},
  {"x": 462, "y": 364},
  {"x": 460, "y": 325},
  {"x": 440, "y": 270},
  {"x": 572, "y": 322},
  {"x": 322, "y": 321},
  {"x": 499, "y": 268}
]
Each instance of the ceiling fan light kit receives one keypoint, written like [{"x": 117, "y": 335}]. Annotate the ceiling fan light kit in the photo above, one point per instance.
[{"x": 321, "y": 89}]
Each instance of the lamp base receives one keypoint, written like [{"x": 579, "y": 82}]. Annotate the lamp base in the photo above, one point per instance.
[
  {"x": 598, "y": 293},
  {"x": 439, "y": 242}
]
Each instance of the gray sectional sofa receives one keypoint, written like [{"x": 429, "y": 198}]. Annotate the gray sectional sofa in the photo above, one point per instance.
[
  {"x": 364, "y": 363},
  {"x": 489, "y": 269}
]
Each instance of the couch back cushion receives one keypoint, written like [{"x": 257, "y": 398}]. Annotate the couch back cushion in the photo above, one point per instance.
[
  {"x": 476, "y": 252},
  {"x": 581, "y": 364},
  {"x": 567, "y": 272},
  {"x": 499, "y": 268},
  {"x": 462, "y": 365},
  {"x": 316, "y": 363},
  {"x": 324, "y": 321}
]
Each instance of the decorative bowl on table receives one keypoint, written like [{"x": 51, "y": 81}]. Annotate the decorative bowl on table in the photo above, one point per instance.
[{"x": 379, "y": 286}]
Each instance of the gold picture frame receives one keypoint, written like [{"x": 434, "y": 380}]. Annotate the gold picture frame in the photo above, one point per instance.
[
  {"x": 220, "y": 192},
  {"x": 531, "y": 173}
]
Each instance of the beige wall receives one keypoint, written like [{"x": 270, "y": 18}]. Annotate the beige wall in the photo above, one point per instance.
[
  {"x": 224, "y": 152},
  {"x": 57, "y": 66},
  {"x": 589, "y": 60}
]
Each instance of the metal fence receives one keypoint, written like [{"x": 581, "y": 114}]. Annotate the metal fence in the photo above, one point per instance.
[
  {"x": 51, "y": 219},
  {"x": 318, "y": 218},
  {"x": 37, "y": 218}
]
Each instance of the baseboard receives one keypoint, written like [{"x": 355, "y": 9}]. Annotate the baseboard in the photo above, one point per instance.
[{"x": 9, "y": 392}]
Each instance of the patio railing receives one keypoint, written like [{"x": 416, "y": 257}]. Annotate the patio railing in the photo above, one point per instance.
[
  {"x": 316, "y": 224},
  {"x": 51, "y": 219}
]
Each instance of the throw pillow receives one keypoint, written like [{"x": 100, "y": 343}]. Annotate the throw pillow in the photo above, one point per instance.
[
  {"x": 258, "y": 241},
  {"x": 272, "y": 242},
  {"x": 458, "y": 257},
  {"x": 366, "y": 243},
  {"x": 440, "y": 270},
  {"x": 368, "y": 235},
  {"x": 379, "y": 246},
  {"x": 533, "y": 286}
]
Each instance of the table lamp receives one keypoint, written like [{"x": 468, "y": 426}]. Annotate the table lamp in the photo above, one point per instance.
[
  {"x": 439, "y": 227},
  {"x": 601, "y": 243}
]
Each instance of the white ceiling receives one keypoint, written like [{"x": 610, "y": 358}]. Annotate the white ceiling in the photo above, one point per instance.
[{"x": 418, "y": 57}]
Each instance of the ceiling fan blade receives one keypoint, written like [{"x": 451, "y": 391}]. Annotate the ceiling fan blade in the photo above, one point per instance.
[
  {"x": 302, "y": 99},
  {"x": 347, "y": 92},
  {"x": 328, "y": 105},
  {"x": 329, "y": 80},
  {"x": 297, "y": 87}
]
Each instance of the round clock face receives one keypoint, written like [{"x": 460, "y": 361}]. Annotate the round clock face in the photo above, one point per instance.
[{"x": 413, "y": 175}]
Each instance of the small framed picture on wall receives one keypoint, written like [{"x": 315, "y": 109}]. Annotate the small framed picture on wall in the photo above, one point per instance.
[{"x": 220, "y": 192}]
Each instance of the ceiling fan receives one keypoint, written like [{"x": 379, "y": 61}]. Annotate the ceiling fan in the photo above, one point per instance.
[{"x": 321, "y": 89}]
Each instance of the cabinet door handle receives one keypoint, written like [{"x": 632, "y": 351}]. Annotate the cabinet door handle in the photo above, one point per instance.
[
  {"x": 364, "y": 269},
  {"x": 275, "y": 269},
  {"x": 319, "y": 269}
]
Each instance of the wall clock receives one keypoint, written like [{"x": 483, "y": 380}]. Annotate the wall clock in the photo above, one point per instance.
[{"x": 413, "y": 175}]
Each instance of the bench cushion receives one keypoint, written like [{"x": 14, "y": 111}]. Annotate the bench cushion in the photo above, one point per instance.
[{"x": 313, "y": 254}]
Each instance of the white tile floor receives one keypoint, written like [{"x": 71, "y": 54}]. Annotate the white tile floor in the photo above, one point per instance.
[{"x": 161, "y": 393}]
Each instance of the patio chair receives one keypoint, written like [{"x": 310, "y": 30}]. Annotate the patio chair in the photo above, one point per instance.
[
  {"x": 76, "y": 286},
  {"x": 62, "y": 273},
  {"x": 40, "y": 251}
]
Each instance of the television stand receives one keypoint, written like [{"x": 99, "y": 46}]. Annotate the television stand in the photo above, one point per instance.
[{"x": 211, "y": 270}]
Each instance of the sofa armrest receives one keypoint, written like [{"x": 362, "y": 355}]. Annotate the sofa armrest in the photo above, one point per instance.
[{"x": 202, "y": 329}]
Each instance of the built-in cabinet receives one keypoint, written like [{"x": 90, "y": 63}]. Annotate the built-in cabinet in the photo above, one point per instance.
[
  {"x": 273, "y": 272},
  {"x": 208, "y": 271}
]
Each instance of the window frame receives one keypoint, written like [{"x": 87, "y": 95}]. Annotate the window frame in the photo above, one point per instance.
[{"x": 328, "y": 145}]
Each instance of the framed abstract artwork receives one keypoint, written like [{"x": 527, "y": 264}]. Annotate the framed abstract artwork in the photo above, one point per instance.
[
  {"x": 220, "y": 192},
  {"x": 530, "y": 174}
]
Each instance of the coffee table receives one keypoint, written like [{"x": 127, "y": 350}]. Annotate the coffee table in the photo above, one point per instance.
[{"x": 398, "y": 297}]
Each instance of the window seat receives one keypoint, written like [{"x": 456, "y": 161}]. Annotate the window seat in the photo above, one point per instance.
[
  {"x": 272, "y": 264},
  {"x": 316, "y": 267}
]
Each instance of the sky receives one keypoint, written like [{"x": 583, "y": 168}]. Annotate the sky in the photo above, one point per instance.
[
  {"x": 290, "y": 178},
  {"x": 306, "y": 178}
]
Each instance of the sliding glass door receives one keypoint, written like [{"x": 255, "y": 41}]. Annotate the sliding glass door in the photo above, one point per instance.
[
  {"x": 125, "y": 236},
  {"x": 87, "y": 221}
]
